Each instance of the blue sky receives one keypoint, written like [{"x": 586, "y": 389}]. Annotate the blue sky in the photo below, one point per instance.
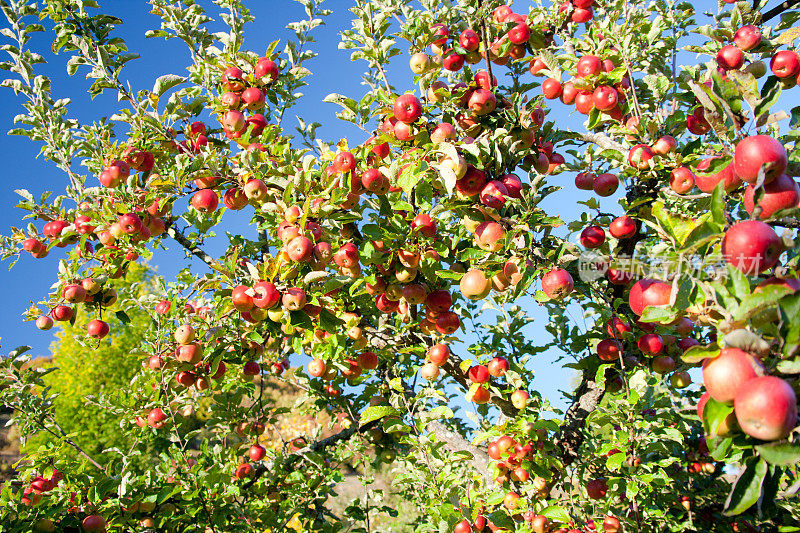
[{"x": 30, "y": 280}]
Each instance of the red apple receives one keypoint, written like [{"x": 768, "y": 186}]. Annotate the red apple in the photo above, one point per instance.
[
  {"x": 623, "y": 227},
  {"x": 681, "y": 180},
  {"x": 785, "y": 64},
  {"x": 94, "y": 524},
  {"x": 97, "y": 329},
  {"x": 609, "y": 350},
  {"x": 730, "y": 58},
  {"x": 781, "y": 193},
  {"x": 557, "y": 283},
  {"x": 588, "y": 66},
  {"x": 648, "y": 292},
  {"x": 747, "y": 37},
  {"x": 593, "y": 237},
  {"x": 551, "y": 88},
  {"x": 758, "y": 151},
  {"x": 597, "y": 488},
  {"x": 766, "y": 408},
  {"x": 751, "y": 246},
  {"x": 407, "y": 108},
  {"x": 725, "y": 374}
]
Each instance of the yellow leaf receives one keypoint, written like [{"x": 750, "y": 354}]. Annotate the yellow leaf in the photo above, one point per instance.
[{"x": 788, "y": 36}]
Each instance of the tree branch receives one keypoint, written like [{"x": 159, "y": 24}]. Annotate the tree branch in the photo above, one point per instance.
[
  {"x": 191, "y": 248},
  {"x": 777, "y": 10},
  {"x": 602, "y": 140},
  {"x": 570, "y": 437}
]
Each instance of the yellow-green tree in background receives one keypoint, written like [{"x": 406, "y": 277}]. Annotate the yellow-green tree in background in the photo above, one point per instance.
[{"x": 84, "y": 373}]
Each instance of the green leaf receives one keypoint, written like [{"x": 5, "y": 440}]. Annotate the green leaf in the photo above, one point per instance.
[
  {"x": 696, "y": 354},
  {"x": 558, "y": 513},
  {"x": 770, "y": 93},
  {"x": 661, "y": 315},
  {"x": 329, "y": 322},
  {"x": 764, "y": 298},
  {"x": 714, "y": 415},
  {"x": 376, "y": 412},
  {"x": 747, "y": 488},
  {"x": 123, "y": 317},
  {"x": 783, "y": 454},
  {"x": 613, "y": 462}
]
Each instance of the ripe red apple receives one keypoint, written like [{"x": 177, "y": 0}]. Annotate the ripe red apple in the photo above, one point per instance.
[
  {"x": 443, "y": 132},
  {"x": 623, "y": 227},
  {"x": 665, "y": 145},
  {"x": 242, "y": 301},
  {"x": 317, "y": 368},
  {"x": 490, "y": 236},
  {"x": 785, "y": 64},
  {"x": 494, "y": 194},
  {"x": 609, "y": 350},
  {"x": 663, "y": 364},
  {"x": 294, "y": 299},
  {"x": 551, "y": 88},
  {"x": 94, "y": 524},
  {"x": 751, "y": 246},
  {"x": 781, "y": 193},
  {"x": 256, "y": 452},
  {"x": 651, "y": 344},
  {"x": 730, "y": 58},
  {"x": 513, "y": 185},
  {"x": 205, "y": 201},
  {"x": 597, "y": 488},
  {"x": 585, "y": 181},
  {"x": 604, "y": 184},
  {"x": 766, "y": 408},
  {"x": 438, "y": 354},
  {"x": 648, "y": 292},
  {"x": 448, "y": 323},
  {"x": 681, "y": 180},
  {"x": 244, "y": 471},
  {"x": 605, "y": 97},
  {"x": 747, "y": 37},
  {"x": 300, "y": 248},
  {"x": 557, "y": 283},
  {"x": 425, "y": 225},
  {"x": 616, "y": 327},
  {"x": 474, "y": 285},
  {"x": 472, "y": 183},
  {"x": 407, "y": 108},
  {"x": 97, "y": 329},
  {"x": 62, "y": 313},
  {"x": 482, "y": 102},
  {"x": 640, "y": 156},
  {"x": 725, "y": 374},
  {"x": 439, "y": 301},
  {"x": 584, "y": 102},
  {"x": 498, "y": 366},
  {"x": 44, "y": 323},
  {"x": 588, "y": 66},
  {"x": 463, "y": 526},
  {"x": 756, "y": 151},
  {"x": 266, "y": 71},
  {"x": 592, "y": 237},
  {"x": 469, "y": 40}
]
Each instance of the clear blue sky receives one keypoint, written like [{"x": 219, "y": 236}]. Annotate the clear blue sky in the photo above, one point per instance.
[{"x": 31, "y": 279}]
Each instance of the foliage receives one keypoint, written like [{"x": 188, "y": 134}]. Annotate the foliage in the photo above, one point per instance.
[{"x": 355, "y": 252}]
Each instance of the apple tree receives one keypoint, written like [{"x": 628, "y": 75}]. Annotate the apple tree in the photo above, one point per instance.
[{"x": 393, "y": 276}]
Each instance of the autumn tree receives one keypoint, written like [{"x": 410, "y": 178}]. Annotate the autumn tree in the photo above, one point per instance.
[{"x": 401, "y": 268}]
